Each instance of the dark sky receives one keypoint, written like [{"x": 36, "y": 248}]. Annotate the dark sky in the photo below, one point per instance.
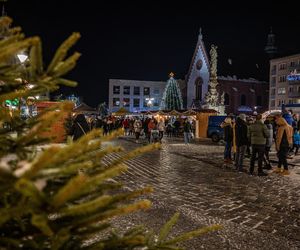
[{"x": 148, "y": 39}]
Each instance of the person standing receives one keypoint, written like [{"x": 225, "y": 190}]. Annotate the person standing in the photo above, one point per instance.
[
  {"x": 296, "y": 140},
  {"x": 257, "y": 134},
  {"x": 241, "y": 130},
  {"x": 228, "y": 137},
  {"x": 137, "y": 129},
  {"x": 268, "y": 145},
  {"x": 161, "y": 128},
  {"x": 284, "y": 139},
  {"x": 80, "y": 127},
  {"x": 187, "y": 129}
]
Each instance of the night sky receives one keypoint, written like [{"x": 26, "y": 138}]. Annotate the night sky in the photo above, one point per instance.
[{"x": 147, "y": 40}]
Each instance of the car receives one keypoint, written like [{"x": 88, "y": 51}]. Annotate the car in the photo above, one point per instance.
[{"x": 214, "y": 130}]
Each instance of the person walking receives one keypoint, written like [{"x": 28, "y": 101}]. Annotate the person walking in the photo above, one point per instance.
[
  {"x": 257, "y": 134},
  {"x": 241, "y": 130},
  {"x": 284, "y": 139},
  {"x": 80, "y": 127}
]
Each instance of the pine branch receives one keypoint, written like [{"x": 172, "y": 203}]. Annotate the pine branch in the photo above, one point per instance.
[{"x": 62, "y": 52}]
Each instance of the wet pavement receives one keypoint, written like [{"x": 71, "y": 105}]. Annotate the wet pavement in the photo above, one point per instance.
[{"x": 255, "y": 212}]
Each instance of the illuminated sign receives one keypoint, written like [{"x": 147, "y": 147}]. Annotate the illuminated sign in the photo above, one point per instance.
[{"x": 294, "y": 76}]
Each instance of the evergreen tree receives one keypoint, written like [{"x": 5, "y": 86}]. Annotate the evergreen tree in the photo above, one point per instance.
[
  {"x": 172, "y": 98},
  {"x": 57, "y": 197}
]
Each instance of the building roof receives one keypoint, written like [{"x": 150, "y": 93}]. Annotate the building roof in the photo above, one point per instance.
[
  {"x": 200, "y": 45},
  {"x": 83, "y": 108},
  {"x": 284, "y": 57}
]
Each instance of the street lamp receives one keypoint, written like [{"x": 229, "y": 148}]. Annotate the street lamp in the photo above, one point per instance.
[
  {"x": 22, "y": 57},
  {"x": 149, "y": 101}
]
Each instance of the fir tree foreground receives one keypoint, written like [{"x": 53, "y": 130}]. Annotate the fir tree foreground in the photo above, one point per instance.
[{"x": 45, "y": 201}]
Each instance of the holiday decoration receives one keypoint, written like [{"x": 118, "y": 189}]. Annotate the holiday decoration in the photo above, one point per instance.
[{"x": 172, "y": 98}]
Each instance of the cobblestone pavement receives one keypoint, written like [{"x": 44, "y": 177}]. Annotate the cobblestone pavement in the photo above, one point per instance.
[{"x": 255, "y": 212}]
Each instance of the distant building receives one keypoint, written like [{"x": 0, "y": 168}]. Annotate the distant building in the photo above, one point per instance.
[
  {"x": 284, "y": 81},
  {"x": 243, "y": 95},
  {"x": 135, "y": 95}
]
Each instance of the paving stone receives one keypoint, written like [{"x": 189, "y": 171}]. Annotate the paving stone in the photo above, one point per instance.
[{"x": 256, "y": 212}]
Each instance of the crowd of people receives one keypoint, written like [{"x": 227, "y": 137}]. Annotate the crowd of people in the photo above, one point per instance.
[
  {"x": 242, "y": 134},
  {"x": 149, "y": 127}
]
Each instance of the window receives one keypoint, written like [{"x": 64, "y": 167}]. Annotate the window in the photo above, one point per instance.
[
  {"x": 290, "y": 89},
  {"x": 226, "y": 99},
  {"x": 298, "y": 89},
  {"x": 126, "y": 102},
  {"x": 126, "y": 90},
  {"x": 279, "y": 102},
  {"x": 136, "y": 91},
  {"x": 136, "y": 103},
  {"x": 156, "y": 91},
  {"x": 273, "y": 81},
  {"x": 281, "y": 91},
  {"x": 273, "y": 91},
  {"x": 243, "y": 100},
  {"x": 156, "y": 102},
  {"x": 282, "y": 66},
  {"x": 116, "y": 90},
  {"x": 273, "y": 70},
  {"x": 290, "y": 101},
  {"x": 198, "y": 90},
  {"x": 282, "y": 78},
  {"x": 273, "y": 103},
  {"x": 116, "y": 102},
  {"x": 146, "y": 91},
  {"x": 258, "y": 100},
  {"x": 292, "y": 64}
]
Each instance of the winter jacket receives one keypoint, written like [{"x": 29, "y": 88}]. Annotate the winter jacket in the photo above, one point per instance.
[
  {"x": 283, "y": 128},
  {"x": 288, "y": 117},
  {"x": 187, "y": 127},
  {"x": 241, "y": 130},
  {"x": 161, "y": 126},
  {"x": 228, "y": 132},
  {"x": 257, "y": 133},
  {"x": 270, "y": 138},
  {"x": 79, "y": 127},
  {"x": 137, "y": 126},
  {"x": 296, "y": 138}
]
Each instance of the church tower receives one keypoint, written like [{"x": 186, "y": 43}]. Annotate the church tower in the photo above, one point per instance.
[{"x": 270, "y": 48}]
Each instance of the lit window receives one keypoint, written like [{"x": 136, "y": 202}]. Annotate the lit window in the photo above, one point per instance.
[
  {"x": 126, "y": 102},
  {"x": 116, "y": 102},
  {"x": 281, "y": 91}
]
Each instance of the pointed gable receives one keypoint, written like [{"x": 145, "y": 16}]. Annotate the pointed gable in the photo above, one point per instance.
[{"x": 198, "y": 74}]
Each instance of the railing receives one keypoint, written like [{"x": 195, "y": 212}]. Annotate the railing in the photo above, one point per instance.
[{"x": 294, "y": 94}]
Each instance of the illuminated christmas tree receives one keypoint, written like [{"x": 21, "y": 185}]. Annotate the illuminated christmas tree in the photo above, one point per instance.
[{"x": 172, "y": 98}]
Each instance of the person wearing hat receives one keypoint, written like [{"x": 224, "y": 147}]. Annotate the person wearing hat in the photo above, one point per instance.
[
  {"x": 258, "y": 134},
  {"x": 241, "y": 130}
]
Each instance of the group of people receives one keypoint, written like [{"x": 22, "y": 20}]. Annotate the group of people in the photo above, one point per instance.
[
  {"x": 241, "y": 134},
  {"x": 152, "y": 129}
]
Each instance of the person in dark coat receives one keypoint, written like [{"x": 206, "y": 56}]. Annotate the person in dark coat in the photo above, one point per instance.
[
  {"x": 241, "y": 130},
  {"x": 228, "y": 138},
  {"x": 80, "y": 127}
]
